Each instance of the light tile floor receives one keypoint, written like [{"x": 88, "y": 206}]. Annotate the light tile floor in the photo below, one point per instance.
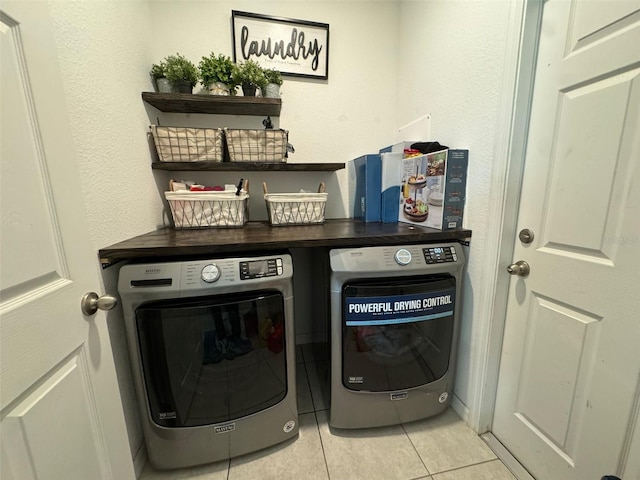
[{"x": 439, "y": 448}]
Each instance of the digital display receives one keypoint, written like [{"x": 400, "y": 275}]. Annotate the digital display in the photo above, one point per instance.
[
  {"x": 258, "y": 267},
  {"x": 434, "y": 255}
]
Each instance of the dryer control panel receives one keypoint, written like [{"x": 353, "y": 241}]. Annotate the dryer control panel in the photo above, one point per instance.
[{"x": 440, "y": 254}]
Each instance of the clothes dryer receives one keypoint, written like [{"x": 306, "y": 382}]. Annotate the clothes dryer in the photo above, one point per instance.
[{"x": 395, "y": 315}]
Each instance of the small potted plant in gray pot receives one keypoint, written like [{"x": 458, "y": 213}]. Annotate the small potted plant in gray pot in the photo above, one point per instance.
[
  {"x": 181, "y": 72},
  {"x": 216, "y": 74},
  {"x": 160, "y": 82},
  {"x": 250, "y": 76},
  {"x": 274, "y": 81}
]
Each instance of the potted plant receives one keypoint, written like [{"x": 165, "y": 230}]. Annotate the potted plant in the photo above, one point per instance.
[
  {"x": 181, "y": 72},
  {"x": 160, "y": 82},
  {"x": 216, "y": 74},
  {"x": 274, "y": 80},
  {"x": 251, "y": 76}
]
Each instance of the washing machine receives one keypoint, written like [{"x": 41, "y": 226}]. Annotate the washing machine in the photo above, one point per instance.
[
  {"x": 395, "y": 318},
  {"x": 212, "y": 349}
]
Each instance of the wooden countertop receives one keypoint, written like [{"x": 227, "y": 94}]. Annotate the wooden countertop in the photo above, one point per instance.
[{"x": 260, "y": 236}]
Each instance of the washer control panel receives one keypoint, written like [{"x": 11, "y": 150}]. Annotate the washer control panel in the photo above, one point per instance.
[
  {"x": 271, "y": 267},
  {"x": 440, "y": 254}
]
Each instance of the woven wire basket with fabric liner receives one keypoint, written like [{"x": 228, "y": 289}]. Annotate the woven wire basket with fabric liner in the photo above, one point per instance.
[
  {"x": 209, "y": 209},
  {"x": 182, "y": 144},
  {"x": 245, "y": 145},
  {"x": 296, "y": 208}
]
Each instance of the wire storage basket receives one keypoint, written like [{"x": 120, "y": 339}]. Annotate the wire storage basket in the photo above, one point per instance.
[
  {"x": 268, "y": 145},
  {"x": 208, "y": 209},
  {"x": 296, "y": 208},
  {"x": 181, "y": 144}
]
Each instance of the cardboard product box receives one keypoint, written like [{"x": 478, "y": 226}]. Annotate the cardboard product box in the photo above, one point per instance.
[
  {"x": 391, "y": 179},
  {"x": 398, "y": 147},
  {"x": 433, "y": 189},
  {"x": 365, "y": 183}
]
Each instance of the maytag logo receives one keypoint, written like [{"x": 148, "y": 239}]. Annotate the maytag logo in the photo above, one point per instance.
[
  {"x": 399, "y": 396},
  {"x": 225, "y": 428},
  {"x": 152, "y": 270}
]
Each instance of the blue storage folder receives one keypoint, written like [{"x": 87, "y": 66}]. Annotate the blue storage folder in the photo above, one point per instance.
[{"x": 368, "y": 185}]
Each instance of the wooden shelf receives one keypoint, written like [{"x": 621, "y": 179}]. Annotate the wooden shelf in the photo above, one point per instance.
[
  {"x": 246, "y": 166},
  {"x": 220, "y": 104},
  {"x": 260, "y": 236}
]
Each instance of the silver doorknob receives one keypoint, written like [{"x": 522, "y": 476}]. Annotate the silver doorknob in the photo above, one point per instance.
[
  {"x": 91, "y": 303},
  {"x": 520, "y": 268}
]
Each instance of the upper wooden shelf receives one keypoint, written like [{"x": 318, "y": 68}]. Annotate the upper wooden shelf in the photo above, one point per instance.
[
  {"x": 247, "y": 166},
  {"x": 220, "y": 104}
]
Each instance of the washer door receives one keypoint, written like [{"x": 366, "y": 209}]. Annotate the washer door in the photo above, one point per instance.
[
  {"x": 396, "y": 333},
  {"x": 212, "y": 359}
]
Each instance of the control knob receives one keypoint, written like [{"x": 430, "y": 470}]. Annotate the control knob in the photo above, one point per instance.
[
  {"x": 210, "y": 273},
  {"x": 403, "y": 256}
]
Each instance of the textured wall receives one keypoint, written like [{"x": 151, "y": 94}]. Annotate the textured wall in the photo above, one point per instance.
[
  {"x": 452, "y": 66},
  {"x": 105, "y": 55}
]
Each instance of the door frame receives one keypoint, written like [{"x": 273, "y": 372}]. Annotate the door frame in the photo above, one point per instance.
[{"x": 523, "y": 34}]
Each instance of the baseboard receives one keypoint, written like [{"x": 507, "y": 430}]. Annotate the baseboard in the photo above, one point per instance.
[
  {"x": 505, "y": 456},
  {"x": 140, "y": 460},
  {"x": 460, "y": 408}
]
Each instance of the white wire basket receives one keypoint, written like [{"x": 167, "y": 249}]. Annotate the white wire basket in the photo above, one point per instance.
[
  {"x": 268, "y": 145},
  {"x": 296, "y": 208},
  {"x": 208, "y": 209},
  {"x": 181, "y": 144}
]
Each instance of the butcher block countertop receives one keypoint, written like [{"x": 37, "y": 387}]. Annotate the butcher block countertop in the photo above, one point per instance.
[{"x": 260, "y": 236}]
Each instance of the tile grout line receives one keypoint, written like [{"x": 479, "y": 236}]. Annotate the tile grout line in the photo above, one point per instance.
[
  {"x": 324, "y": 456},
  {"x": 471, "y": 465},
  {"x": 308, "y": 383},
  {"x": 415, "y": 449},
  {"x": 315, "y": 414},
  {"x": 306, "y": 374}
]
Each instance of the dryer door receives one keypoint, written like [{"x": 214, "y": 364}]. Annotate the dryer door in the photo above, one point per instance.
[{"x": 396, "y": 333}]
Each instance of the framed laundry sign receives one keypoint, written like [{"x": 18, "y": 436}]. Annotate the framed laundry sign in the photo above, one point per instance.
[{"x": 297, "y": 48}]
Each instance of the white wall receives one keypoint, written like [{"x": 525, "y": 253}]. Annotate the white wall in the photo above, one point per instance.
[
  {"x": 452, "y": 66},
  {"x": 387, "y": 65}
]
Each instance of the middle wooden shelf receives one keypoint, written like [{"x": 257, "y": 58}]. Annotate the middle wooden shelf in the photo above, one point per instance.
[{"x": 247, "y": 166}]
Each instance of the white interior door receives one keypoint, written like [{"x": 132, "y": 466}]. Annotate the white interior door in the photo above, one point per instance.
[
  {"x": 568, "y": 390},
  {"x": 61, "y": 415}
]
